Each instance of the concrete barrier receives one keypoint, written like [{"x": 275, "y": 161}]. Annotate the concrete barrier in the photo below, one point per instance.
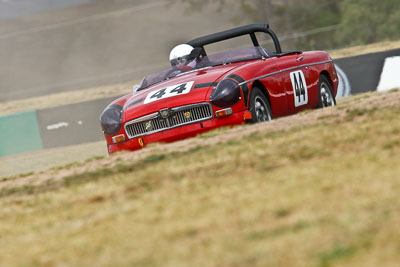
[{"x": 390, "y": 77}]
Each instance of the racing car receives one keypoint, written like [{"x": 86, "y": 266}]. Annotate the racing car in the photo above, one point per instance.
[{"x": 201, "y": 91}]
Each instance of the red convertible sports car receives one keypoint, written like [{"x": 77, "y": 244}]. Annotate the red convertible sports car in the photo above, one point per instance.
[{"x": 200, "y": 92}]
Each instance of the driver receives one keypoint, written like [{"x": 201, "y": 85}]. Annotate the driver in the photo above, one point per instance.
[{"x": 180, "y": 57}]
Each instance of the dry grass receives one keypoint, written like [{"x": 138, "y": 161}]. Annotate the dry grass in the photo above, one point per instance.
[
  {"x": 315, "y": 189},
  {"x": 42, "y": 160},
  {"x": 364, "y": 49}
]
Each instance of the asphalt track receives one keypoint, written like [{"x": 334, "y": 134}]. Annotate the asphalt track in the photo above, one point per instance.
[
  {"x": 72, "y": 124},
  {"x": 364, "y": 71}
]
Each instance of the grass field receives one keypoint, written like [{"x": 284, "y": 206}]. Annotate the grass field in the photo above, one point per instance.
[{"x": 316, "y": 189}]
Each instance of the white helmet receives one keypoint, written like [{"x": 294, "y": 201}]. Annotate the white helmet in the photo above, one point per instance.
[{"x": 180, "y": 54}]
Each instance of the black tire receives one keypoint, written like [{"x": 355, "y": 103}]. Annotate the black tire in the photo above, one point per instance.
[
  {"x": 325, "y": 95},
  {"x": 259, "y": 107}
]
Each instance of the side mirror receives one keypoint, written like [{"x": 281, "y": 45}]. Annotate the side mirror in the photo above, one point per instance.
[{"x": 135, "y": 88}]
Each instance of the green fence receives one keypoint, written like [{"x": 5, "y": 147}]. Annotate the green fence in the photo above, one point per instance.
[{"x": 19, "y": 133}]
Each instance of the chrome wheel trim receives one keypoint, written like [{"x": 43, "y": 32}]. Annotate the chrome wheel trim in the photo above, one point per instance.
[
  {"x": 326, "y": 96},
  {"x": 261, "y": 110}
]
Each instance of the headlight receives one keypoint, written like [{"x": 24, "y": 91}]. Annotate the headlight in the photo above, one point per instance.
[
  {"x": 111, "y": 119},
  {"x": 226, "y": 94}
]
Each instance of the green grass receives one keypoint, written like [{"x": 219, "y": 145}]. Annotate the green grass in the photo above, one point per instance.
[{"x": 320, "y": 195}]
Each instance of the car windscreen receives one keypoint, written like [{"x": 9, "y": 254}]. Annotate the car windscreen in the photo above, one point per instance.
[{"x": 238, "y": 55}]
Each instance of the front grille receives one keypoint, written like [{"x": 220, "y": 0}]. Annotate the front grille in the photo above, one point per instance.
[
  {"x": 179, "y": 116},
  {"x": 147, "y": 126}
]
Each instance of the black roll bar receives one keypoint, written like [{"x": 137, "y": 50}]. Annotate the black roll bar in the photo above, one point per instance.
[{"x": 236, "y": 32}]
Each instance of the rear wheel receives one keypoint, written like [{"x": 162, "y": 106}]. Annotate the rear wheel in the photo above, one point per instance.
[
  {"x": 325, "y": 95},
  {"x": 259, "y": 106}
]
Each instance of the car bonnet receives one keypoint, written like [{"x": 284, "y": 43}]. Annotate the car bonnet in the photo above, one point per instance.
[{"x": 194, "y": 86}]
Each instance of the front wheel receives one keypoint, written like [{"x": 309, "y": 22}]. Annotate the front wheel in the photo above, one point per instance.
[
  {"x": 259, "y": 106},
  {"x": 325, "y": 95}
]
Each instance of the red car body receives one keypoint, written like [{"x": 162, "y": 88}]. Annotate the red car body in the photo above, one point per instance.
[{"x": 180, "y": 107}]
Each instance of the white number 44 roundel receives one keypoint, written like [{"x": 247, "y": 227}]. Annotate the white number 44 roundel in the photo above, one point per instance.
[
  {"x": 299, "y": 85},
  {"x": 170, "y": 91}
]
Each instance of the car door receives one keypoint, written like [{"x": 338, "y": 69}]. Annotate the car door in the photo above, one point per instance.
[
  {"x": 268, "y": 73},
  {"x": 296, "y": 81}
]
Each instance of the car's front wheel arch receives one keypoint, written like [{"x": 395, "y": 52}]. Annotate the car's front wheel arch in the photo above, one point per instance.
[
  {"x": 259, "y": 105},
  {"x": 260, "y": 85},
  {"x": 326, "y": 74}
]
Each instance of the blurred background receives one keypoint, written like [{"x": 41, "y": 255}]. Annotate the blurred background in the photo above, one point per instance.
[{"x": 50, "y": 46}]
